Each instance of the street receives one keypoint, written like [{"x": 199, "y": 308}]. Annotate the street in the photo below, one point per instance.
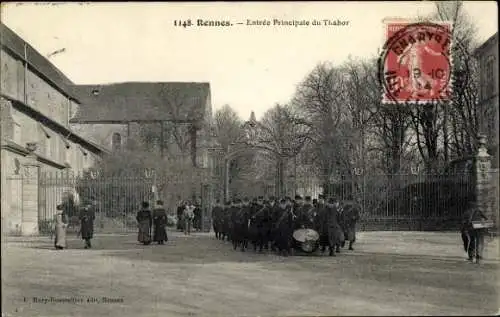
[{"x": 389, "y": 273}]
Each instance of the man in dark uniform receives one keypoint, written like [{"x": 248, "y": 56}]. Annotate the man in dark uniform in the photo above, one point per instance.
[
  {"x": 235, "y": 222},
  {"x": 285, "y": 226},
  {"x": 349, "y": 215},
  {"x": 308, "y": 213},
  {"x": 226, "y": 221},
  {"x": 321, "y": 222},
  {"x": 473, "y": 239},
  {"x": 87, "y": 217},
  {"x": 197, "y": 216},
  {"x": 297, "y": 208},
  {"x": 274, "y": 214},
  {"x": 260, "y": 225},
  {"x": 253, "y": 232},
  {"x": 217, "y": 219},
  {"x": 334, "y": 232},
  {"x": 245, "y": 214},
  {"x": 266, "y": 222}
]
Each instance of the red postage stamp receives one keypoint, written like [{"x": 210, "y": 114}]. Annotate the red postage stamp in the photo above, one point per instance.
[{"x": 415, "y": 64}]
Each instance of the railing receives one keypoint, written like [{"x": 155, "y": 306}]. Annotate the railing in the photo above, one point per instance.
[
  {"x": 120, "y": 196},
  {"x": 387, "y": 202}
]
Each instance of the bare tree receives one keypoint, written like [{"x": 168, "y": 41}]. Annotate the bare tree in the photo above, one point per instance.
[
  {"x": 281, "y": 135},
  {"x": 320, "y": 98},
  {"x": 176, "y": 137},
  {"x": 463, "y": 120},
  {"x": 227, "y": 126}
]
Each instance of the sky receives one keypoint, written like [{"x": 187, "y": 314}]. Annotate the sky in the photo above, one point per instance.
[{"x": 248, "y": 67}]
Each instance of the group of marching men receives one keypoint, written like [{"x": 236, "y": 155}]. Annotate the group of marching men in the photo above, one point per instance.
[{"x": 270, "y": 224}]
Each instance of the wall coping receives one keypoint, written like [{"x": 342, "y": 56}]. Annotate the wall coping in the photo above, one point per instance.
[{"x": 12, "y": 146}]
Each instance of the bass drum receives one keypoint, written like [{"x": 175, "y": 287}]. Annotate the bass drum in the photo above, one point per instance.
[{"x": 306, "y": 239}]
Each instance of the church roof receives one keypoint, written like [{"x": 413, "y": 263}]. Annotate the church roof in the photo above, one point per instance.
[{"x": 142, "y": 101}]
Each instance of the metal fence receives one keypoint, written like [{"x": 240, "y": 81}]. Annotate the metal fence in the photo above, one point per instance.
[
  {"x": 120, "y": 196},
  {"x": 388, "y": 202},
  {"x": 429, "y": 202}
]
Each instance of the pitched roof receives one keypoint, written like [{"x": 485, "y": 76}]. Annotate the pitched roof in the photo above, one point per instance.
[
  {"x": 142, "y": 101},
  {"x": 41, "y": 65}
]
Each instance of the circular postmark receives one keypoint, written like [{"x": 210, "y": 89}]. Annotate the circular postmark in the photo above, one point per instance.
[{"x": 414, "y": 65}]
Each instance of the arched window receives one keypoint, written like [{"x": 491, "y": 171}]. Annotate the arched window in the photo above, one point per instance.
[{"x": 116, "y": 141}]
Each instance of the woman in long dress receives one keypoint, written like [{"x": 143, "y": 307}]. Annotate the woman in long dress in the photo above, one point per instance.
[
  {"x": 160, "y": 223},
  {"x": 60, "y": 230},
  {"x": 144, "y": 222}
]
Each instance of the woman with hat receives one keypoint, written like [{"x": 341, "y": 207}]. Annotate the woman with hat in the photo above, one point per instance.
[
  {"x": 144, "y": 222},
  {"x": 60, "y": 230},
  {"x": 160, "y": 223}
]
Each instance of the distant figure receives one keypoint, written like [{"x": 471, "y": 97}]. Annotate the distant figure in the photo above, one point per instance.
[
  {"x": 160, "y": 223},
  {"x": 144, "y": 222},
  {"x": 61, "y": 220},
  {"x": 87, "y": 217},
  {"x": 217, "y": 219},
  {"x": 188, "y": 217},
  {"x": 180, "y": 216},
  {"x": 197, "y": 217}
]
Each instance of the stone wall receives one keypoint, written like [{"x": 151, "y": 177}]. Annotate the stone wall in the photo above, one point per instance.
[
  {"x": 54, "y": 152},
  {"x": 101, "y": 133},
  {"x": 39, "y": 94},
  {"x": 11, "y": 76}
]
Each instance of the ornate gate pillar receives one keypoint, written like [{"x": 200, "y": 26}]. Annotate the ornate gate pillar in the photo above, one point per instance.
[
  {"x": 483, "y": 181},
  {"x": 206, "y": 205},
  {"x": 29, "y": 217}
]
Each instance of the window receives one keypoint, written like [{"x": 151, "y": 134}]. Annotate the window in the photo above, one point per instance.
[
  {"x": 116, "y": 142},
  {"x": 87, "y": 162},
  {"x": 68, "y": 153}
]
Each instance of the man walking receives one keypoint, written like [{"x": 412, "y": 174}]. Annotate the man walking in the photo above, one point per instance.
[
  {"x": 349, "y": 215},
  {"x": 473, "y": 239},
  {"x": 87, "y": 217},
  {"x": 217, "y": 221},
  {"x": 335, "y": 233}
]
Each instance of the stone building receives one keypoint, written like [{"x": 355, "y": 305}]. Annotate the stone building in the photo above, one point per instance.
[
  {"x": 175, "y": 116},
  {"x": 36, "y": 105},
  {"x": 167, "y": 125},
  {"x": 487, "y": 55}
]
